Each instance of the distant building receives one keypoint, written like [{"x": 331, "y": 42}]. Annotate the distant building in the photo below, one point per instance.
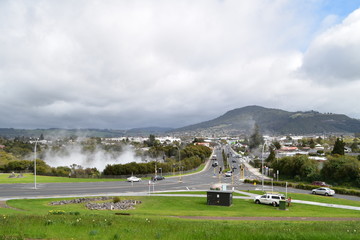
[
  {"x": 319, "y": 147},
  {"x": 288, "y": 149},
  {"x": 206, "y": 144}
]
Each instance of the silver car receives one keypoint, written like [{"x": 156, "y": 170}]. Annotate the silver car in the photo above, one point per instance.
[{"x": 323, "y": 191}]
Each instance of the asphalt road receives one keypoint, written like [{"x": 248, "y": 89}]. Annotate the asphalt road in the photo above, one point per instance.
[{"x": 198, "y": 181}]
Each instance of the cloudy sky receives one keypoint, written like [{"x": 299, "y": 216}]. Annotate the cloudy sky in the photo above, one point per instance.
[{"x": 122, "y": 64}]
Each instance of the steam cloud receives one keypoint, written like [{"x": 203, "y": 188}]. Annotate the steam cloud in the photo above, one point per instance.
[{"x": 99, "y": 158}]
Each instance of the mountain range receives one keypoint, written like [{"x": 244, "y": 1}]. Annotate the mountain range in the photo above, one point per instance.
[
  {"x": 274, "y": 122},
  {"x": 235, "y": 122}
]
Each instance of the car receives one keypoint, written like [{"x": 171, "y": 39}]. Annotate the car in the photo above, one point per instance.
[
  {"x": 157, "y": 178},
  {"x": 319, "y": 183},
  {"x": 269, "y": 198},
  {"x": 133, "y": 179},
  {"x": 323, "y": 191},
  {"x": 215, "y": 164},
  {"x": 228, "y": 174}
]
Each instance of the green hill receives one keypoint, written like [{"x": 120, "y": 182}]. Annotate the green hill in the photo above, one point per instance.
[{"x": 274, "y": 121}]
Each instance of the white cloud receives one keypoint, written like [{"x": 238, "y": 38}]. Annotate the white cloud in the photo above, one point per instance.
[
  {"x": 334, "y": 56},
  {"x": 123, "y": 64}
]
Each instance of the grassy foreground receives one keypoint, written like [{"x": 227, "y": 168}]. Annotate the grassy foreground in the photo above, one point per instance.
[{"x": 156, "y": 218}]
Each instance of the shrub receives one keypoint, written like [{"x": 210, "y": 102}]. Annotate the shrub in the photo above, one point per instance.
[
  {"x": 56, "y": 212},
  {"x": 116, "y": 199}
]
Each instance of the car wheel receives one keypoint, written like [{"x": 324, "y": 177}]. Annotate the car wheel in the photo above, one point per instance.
[
  {"x": 326, "y": 194},
  {"x": 313, "y": 192},
  {"x": 257, "y": 202},
  {"x": 274, "y": 204}
]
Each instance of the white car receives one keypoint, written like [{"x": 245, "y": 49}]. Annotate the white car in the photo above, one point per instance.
[
  {"x": 228, "y": 174},
  {"x": 323, "y": 191},
  {"x": 133, "y": 179},
  {"x": 271, "y": 199}
]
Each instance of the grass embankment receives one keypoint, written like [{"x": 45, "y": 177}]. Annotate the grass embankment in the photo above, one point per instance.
[
  {"x": 152, "y": 219},
  {"x": 29, "y": 178}
]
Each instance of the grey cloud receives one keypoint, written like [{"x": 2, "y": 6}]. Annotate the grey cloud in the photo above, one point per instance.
[{"x": 123, "y": 64}]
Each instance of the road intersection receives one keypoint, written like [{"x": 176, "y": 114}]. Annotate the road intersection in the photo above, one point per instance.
[{"x": 200, "y": 181}]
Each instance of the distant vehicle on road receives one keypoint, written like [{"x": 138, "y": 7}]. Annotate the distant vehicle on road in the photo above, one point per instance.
[
  {"x": 133, "y": 179},
  {"x": 269, "y": 198},
  {"x": 319, "y": 183},
  {"x": 157, "y": 178},
  {"x": 323, "y": 191},
  {"x": 215, "y": 164},
  {"x": 228, "y": 174}
]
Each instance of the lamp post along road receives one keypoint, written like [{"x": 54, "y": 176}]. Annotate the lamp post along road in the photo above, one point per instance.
[
  {"x": 180, "y": 177},
  {"x": 262, "y": 166},
  {"x": 35, "y": 163}
]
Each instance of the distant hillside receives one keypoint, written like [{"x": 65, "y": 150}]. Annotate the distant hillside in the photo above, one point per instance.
[
  {"x": 147, "y": 131},
  {"x": 274, "y": 121},
  {"x": 57, "y": 132},
  {"x": 234, "y": 122}
]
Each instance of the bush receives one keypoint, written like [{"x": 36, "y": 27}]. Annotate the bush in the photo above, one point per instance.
[{"x": 116, "y": 199}]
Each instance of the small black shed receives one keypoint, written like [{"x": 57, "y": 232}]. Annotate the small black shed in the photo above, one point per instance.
[{"x": 221, "y": 198}]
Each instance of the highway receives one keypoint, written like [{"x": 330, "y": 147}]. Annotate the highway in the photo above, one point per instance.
[{"x": 198, "y": 181}]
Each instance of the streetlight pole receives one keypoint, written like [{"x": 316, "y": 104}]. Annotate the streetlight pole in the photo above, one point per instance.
[
  {"x": 36, "y": 141},
  {"x": 180, "y": 177},
  {"x": 160, "y": 171},
  {"x": 262, "y": 166}
]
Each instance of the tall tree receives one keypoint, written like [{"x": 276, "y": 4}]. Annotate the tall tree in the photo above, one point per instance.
[
  {"x": 355, "y": 145},
  {"x": 271, "y": 157},
  {"x": 277, "y": 145},
  {"x": 256, "y": 139},
  {"x": 312, "y": 143},
  {"x": 339, "y": 147}
]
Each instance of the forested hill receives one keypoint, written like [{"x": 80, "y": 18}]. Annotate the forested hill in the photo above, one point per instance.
[
  {"x": 234, "y": 122},
  {"x": 274, "y": 121}
]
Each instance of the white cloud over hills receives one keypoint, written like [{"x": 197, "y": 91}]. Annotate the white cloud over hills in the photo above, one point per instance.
[{"x": 124, "y": 64}]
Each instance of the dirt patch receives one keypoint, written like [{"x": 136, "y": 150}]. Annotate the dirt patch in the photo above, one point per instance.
[{"x": 270, "y": 218}]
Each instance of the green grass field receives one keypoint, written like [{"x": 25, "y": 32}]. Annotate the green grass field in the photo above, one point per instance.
[
  {"x": 29, "y": 178},
  {"x": 156, "y": 218}
]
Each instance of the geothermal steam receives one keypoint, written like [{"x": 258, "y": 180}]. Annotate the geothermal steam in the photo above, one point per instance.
[{"x": 98, "y": 159}]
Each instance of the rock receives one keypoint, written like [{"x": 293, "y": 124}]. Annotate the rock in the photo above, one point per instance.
[
  {"x": 80, "y": 200},
  {"x": 121, "y": 205}
]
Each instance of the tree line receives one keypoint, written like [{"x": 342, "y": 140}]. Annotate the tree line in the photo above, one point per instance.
[
  {"x": 337, "y": 169},
  {"x": 192, "y": 156}
]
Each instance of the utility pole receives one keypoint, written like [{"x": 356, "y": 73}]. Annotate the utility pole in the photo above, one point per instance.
[{"x": 36, "y": 141}]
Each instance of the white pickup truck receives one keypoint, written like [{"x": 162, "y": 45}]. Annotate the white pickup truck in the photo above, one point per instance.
[{"x": 269, "y": 198}]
